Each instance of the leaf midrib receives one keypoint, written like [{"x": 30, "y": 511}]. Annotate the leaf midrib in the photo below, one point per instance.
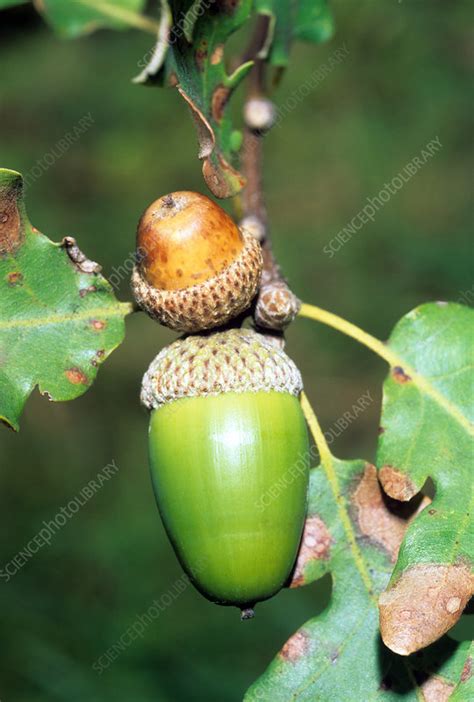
[
  {"x": 389, "y": 355},
  {"x": 327, "y": 462},
  {"x": 119, "y": 310}
]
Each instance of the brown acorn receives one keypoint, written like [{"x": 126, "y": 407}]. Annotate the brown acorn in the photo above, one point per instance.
[{"x": 195, "y": 269}]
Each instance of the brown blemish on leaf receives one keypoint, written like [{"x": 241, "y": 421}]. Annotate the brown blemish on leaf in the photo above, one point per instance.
[
  {"x": 224, "y": 181},
  {"x": 97, "y": 358},
  {"x": 11, "y": 230},
  {"x": 220, "y": 97},
  {"x": 396, "y": 484},
  {"x": 379, "y": 518},
  {"x": 85, "y": 291},
  {"x": 81, "y": 262},
  {"x": 217, "y": 55},
  {"x": 205, "y": 132},
  {"x": 467, "y": 670},
  {"x": 423, "y": 604},
  {"x": 201, "y": 54},
  {"x": 15, "y": 278},
  {"x": 76, "y": 376},
  {"x": 399, "y": 375},
  {"x": 436, "y": 689},
  {"x": 220, "y": 177},
  {"x": 315, "y": 545},
  {"x": 98, "y": 324},
  {"x": 296, "y": 647}
]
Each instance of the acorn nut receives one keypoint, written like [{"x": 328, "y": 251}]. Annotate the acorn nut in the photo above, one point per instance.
[
  {"x": 229, "y": 461},
  {"x": 195, "y": 269}
]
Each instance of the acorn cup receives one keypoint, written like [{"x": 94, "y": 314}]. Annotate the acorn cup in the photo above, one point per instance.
[
  {"x": 195, "y": 269},
  {"x": 229, "y": 461}
]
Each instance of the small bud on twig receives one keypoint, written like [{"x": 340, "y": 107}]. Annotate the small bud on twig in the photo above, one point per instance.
[
  {"x": 259, "y": 114},
  {"x": 276, "y": 306}
]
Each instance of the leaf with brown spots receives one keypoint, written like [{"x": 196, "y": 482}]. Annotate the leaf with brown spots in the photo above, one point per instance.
[
  {"x": 438, "y": 670},
  {"x": 11, "y": 229},
  {"x": 427, "y": 418},
  {"x": 465, "y": 687},
  {"x": 315, "y": 547},
  {"x": 195, "y": 65},
  {"x": 353, "y": 532},
  {"x": 423, "y": 604},
  {"x": 59, "y": 318},
  {"x": 381, "y": 519}
]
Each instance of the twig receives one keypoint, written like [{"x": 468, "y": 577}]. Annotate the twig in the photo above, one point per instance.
[{"x": 276, "y": 305}]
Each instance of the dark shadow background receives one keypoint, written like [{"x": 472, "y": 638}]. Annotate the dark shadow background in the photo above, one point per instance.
[{"x": 404, "y": 82}]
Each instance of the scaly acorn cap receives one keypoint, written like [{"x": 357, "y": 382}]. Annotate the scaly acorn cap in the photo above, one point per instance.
[
  {"x": 238, "y": 360},
  {"x": 195, "y": 268}
]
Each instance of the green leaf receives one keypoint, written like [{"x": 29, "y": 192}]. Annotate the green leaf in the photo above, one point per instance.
[
  {"x": 427, "y": 431},
  {"x": 307, "y": 20},
  {"x": 73, "y": 18},
  {"x": 59, "y": 319},
  {"x": 465, "y": 688},
  {"x": 353, "y": 533},
  {"x": 189, "y": 55},
  {"x": 155, "y": 61},
  {"x": 195, "y": 64},
  {"x": 314, "y": 21}
]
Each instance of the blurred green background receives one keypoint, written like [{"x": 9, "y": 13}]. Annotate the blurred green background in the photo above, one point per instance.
[{"x": 404, "y": 82}]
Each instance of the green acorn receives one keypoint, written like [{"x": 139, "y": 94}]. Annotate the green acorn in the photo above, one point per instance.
[{"x": 229, "y": 461}]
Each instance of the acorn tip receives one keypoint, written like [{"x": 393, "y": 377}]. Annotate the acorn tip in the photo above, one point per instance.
[{"x": 247, "y": 613}]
